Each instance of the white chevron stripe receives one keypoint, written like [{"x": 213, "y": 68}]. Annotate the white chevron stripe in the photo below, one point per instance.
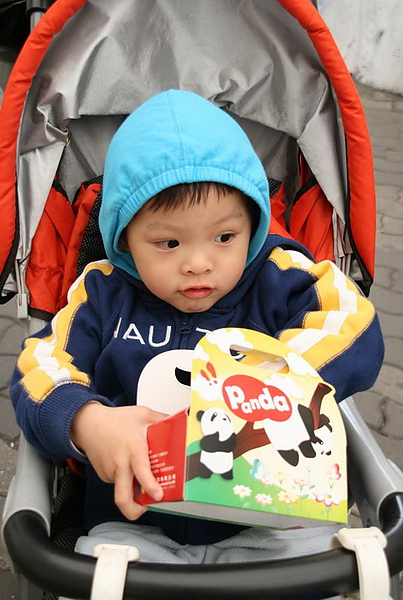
[
  {"x": 348, "y": 299},
  {"x": 306, "y": 340},
  {"x": 49, "y": 364},
  {"x": 335, "y": 319}
]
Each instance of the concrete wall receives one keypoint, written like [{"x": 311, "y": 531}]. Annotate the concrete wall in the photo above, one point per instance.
[{"x": 369, "y": 34}]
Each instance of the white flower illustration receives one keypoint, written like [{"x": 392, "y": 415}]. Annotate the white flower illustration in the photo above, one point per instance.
[
  {"x": 243, "y": 491},
  {"x": 264, "y": 499}
]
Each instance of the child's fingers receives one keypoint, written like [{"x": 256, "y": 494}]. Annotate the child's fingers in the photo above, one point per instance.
[
  {"x": 120, "y": 453},
  {"x": 136, "y": 468},
  {"x": 139, "y": 459},
  {"x": 147, "y": 480},
  {"x": 124, "y": 494}
]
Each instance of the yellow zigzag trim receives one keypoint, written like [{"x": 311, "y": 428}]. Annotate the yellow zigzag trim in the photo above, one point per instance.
[
  {"x": 44, "y": 363},
  {"x": 343, "y": 316}
]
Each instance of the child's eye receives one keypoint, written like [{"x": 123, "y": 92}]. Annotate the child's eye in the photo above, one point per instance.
[
  {"x": 169, "y": 244},
  {"x": 224, "y": 238}
]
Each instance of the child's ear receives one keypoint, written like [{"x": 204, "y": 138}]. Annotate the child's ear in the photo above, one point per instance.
[{"x": 123, "y": 245}]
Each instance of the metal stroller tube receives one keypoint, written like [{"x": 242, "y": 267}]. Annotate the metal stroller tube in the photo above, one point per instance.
[
  {"x": 317, "y": 576},
  {"x": 391, "y": 516}
]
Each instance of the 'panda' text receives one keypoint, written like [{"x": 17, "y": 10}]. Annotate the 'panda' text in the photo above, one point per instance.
[{"x": 252, "y": 400}]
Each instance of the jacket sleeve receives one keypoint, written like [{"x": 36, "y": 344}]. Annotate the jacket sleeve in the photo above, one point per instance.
[
  {"x": 53, "y": 376},
  {"x": 321, "y": 314}
]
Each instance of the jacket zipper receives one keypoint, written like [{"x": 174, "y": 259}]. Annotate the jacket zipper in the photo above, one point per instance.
[{"x": 184, "y": 330}]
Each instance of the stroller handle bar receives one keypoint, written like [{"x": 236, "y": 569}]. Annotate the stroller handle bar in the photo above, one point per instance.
[
  {"x": 316, "y": 576},
  {"x": 26, "y": 525}
]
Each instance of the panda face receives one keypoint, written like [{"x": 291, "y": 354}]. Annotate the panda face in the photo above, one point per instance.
[
  {"x": 326, "y": 437},
  {"x": 216, "y": 420}
]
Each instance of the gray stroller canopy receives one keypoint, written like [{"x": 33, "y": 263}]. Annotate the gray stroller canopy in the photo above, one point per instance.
[{"x": 250, "y": 58}]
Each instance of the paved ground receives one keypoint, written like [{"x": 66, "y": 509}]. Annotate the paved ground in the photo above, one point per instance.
[{"x": 382, "y": 407}]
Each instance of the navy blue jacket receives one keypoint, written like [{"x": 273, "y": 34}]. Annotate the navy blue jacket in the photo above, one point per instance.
[{"x": 101, "y": 341}]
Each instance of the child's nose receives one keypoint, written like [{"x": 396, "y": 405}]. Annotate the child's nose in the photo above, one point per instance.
[{"x": 197, "y": 263}]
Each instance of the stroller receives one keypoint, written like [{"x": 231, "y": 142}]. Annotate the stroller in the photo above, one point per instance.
[{"x": 273, "y": 65}]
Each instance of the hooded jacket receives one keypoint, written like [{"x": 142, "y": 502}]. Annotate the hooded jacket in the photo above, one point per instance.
[
  {"x": 98, "y": 345},
  {"x": 176, "y": 137}
]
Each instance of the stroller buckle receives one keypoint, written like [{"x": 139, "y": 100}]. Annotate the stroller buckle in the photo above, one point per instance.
[
  {"x": 373, "y": 571},
  {"x": 110, "y": 571}
]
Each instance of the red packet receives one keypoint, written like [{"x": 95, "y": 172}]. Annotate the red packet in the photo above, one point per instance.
[{"x": 167, "y": 440}]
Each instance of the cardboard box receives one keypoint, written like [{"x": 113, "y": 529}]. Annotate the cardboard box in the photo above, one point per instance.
[{"x": 263, "y": 442}]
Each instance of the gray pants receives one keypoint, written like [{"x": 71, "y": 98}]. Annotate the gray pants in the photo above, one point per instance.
[{"x": 251, "y": 545}]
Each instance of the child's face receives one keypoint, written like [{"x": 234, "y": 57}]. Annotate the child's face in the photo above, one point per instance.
[{"x": 191, "y": 256}]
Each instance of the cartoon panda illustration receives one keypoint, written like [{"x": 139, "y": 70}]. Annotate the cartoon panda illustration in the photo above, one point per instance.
[
  {"x": 325, "y": 435},
  {"x": 298, "y": 434},
  {"x": 217, "y": 443}
]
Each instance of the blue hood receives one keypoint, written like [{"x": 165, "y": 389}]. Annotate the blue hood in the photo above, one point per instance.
[{"x": 176, "y": 137}]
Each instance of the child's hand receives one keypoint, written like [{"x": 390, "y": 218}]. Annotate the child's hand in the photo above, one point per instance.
[{"x": 114, "y": 440}]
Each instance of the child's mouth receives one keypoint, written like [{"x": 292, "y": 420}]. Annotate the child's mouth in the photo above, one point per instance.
[{"x": 197, "y": 293}]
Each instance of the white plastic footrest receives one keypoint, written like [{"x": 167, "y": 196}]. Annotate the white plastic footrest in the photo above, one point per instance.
[
  {"x": 110, "y": 571},
  {"x": 373, "y": 571}
]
